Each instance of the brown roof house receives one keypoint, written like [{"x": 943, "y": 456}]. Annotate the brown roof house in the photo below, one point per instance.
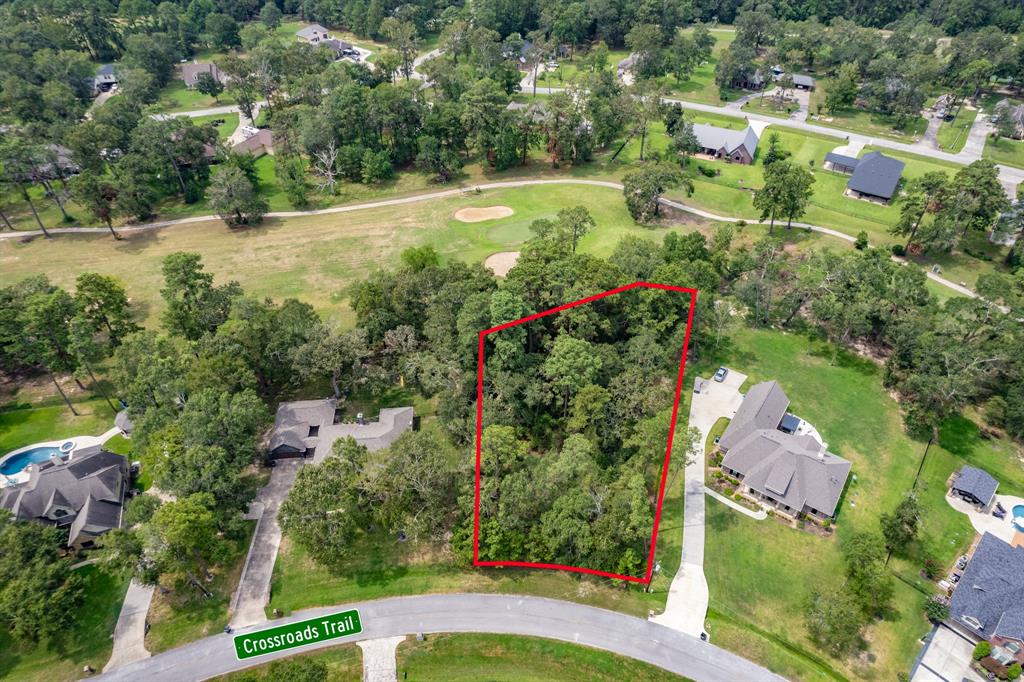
[
  {"x": 308, "y": 428},
  {"x": 259, "y": 143},
  {"x": 85, "y": 495},
  {"x": 190, "y": 73},
  {"x": 779, "y": 458}
]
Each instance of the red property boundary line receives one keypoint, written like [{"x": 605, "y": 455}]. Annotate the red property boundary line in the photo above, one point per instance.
[{"x": 668, "y": 447}]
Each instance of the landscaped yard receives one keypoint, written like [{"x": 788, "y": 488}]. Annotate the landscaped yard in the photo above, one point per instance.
[
  {"x": 175, "y": 97},
  {"x": 225, "y": 129},
  {"x": 23, "y": 423},
  {"x": 87, "y": 642},
  {"x": 753, "y": 579}
]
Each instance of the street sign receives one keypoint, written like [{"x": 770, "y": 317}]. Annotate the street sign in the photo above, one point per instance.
[{"x": 333, "y": 626}]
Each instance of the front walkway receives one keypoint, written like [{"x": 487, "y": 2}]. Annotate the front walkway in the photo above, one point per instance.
[
  {"x": 759, "y": 515},
  {"x": 687, "y": 603},
  {"x": 253, "y": 592},
  {"x": 984, "y": 522},
  {"x": 130, "y": 631}
]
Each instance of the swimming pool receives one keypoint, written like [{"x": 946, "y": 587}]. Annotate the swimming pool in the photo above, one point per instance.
[
  {"x": 1018, "y": 516},
  {"x": 12, "y": 464}
]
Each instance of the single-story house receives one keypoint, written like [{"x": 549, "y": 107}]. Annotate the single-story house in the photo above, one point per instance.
[
  {"x": 190, "y": 73},
  {"x": 975, "y": 485},
  {"x": 340, "y": 48},
  {"x": 259, "y": 143},
  {"x": 84, "y": 494},
  {"x": 777, "y": 461},
  {"x": 104, "y": 80},
  {"x": 876, "y": 176},
  {"x": 988, "y": 602},
  {"x": 803, "y": 82},
  {"x": 840, "y": 163},
  {"x": 1016, "y": 115},
  {"x": 313, "y": 34},
  {"x": 308, "y": 428},
  {"x": 627, "y": 63},
  {"x": 735, "y": 145},
  {"x": 754, "y": 81}
]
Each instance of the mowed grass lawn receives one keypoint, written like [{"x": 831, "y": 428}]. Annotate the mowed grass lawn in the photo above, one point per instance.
[
  {"x": 507, "y": 658},
  {"x": 1009, "y": 152},
  {"x": 472, "y": 657},
  {"x": 23, "y": 423},
  {"x": 953, "y": 134},
  {"x": 86, "y": 642},
  {"x": 701, "y": 86},
  {"x": 758, "y": 589}
]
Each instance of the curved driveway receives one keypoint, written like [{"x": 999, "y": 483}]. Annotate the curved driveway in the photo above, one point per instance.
[{"x": 483, "y": 613}]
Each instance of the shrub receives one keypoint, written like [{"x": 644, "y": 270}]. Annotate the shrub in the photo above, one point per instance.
[
  {"x": 936, "y": 611},
  {"x": 931, "y": 568},
  {"x": 1013, "y": 672},
  {"x": 741, "y": 223},
  {"x": 899, "y": 250},
  {"x": 995, "y": 411},
  {"x": 826, "y": 524},
  {"x": 737, "y": 497},
  {"x": 862, "y": 241},
  {"x": 705, "y": 171},
  {"x": 981, "y": 650}
]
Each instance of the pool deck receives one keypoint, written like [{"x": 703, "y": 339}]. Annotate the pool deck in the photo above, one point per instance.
[
  {"x": 984, "y": 522},
  {"x": 81, "y": 443}
]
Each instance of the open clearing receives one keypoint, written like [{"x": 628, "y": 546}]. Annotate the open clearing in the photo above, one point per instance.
[{"x": 478, "y": 215}]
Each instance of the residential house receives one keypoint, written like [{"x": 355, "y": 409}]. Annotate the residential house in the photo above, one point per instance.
[
  {"x": 874, "y": 176},
  {"x": 988, "y": 601},
  {"x": 803, "y": 82},
  {"x": 739, "y": 146},
  {"x": 308, "y": 428},
  {"x": 942, "y": 105},
  {"x": 779, "y": 459},
  {"x": 975, "y": 485},
  {"x": 1016, "y": 115},
  {"x": 752, "y": 81},
  {"x": 259, "y": 143},
  {"x": 627, "y": 64},
  {"x": 536, "y": 110},
  {"x": 190, "y": 73},
  {"x": 314, "y": 34},
  {"x": 104, "y": 80},
  {"x": 83, "y": 494}
]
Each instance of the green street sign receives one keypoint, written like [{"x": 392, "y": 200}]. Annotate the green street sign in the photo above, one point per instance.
[{"x": 293, "y": 635}]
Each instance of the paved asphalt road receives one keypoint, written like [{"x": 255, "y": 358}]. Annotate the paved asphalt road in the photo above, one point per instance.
[{"x": 504, "y": 614}]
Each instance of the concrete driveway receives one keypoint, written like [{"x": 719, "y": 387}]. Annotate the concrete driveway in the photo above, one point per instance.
[
  {"x": 947, "y": 658},
  {"x": 253, "y": 592},
  {"x": 130, "y": 631},
  {"x": 687, "y": 603}
]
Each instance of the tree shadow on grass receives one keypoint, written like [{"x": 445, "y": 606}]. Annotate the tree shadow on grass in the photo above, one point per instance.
[{"x": 959, "y": 435}]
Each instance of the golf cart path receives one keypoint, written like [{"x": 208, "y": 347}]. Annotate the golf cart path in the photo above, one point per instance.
[
  {"x": 458, "y": 191},
  {"x": 471, "y": 613}
]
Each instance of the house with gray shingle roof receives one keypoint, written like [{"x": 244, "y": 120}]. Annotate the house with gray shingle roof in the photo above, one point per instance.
[
  {"x": 876, "y": 177},
  {"x": 975, "y": 485},
  {"x": 190, "y": 73},
  {"x": 313, "y": 34},
  {"x": 779, "y": 462},
  {"x": 988, "y": 602},
  {"x": 84, "y": 494},
  {"x": 308, "y": 428},
  {"x": 739, "y": 146}
]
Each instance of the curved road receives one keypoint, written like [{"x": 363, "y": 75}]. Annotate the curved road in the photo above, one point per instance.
[
  {"x": 484, "y": 613},
  {"x": 415, "y": 198}
]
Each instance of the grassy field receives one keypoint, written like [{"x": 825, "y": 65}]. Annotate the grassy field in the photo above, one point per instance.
[
  {"x": 701, "y": 86},
  {"x": 344, "y": 664},
  {"x": 770, "y": 106},
  {"x": 861, "y": 121},
  {"x": 754, "y": 582},
  {"x": 1009, "y": 152},
  {"x": 952, "y": 135},
  {"x": 225, "y": 129},
  {"x": 507, "y": 658},
  {"x": 175, "y": 97},
  {"x": 24, "y": 423},
  {"x": 87, "y": 642},
  {"x": 184, "y": 615}
]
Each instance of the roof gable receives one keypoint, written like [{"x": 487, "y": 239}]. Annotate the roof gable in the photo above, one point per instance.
[
  {"x": 991, "y": 590},
  {"x": 876, "y": 174}
]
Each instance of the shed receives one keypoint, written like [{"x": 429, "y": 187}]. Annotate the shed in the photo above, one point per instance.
[{"x": 975, "y": 485}]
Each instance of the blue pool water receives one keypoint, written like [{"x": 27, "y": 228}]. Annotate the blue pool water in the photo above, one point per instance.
[
  {"x": 32, "y": 456},
  {"x": 1018, "y": 516}
]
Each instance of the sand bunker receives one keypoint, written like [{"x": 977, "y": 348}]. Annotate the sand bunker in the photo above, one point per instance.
[
  {"x": 500, "y": 263},
  {"x": 476, "y": 215}
]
